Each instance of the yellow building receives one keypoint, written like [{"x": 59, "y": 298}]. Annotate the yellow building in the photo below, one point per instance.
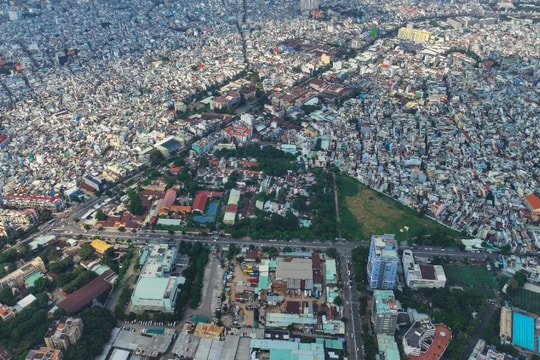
[
  {"x": 100, "y": 246},
  {"x": 416, "y": 35},
  {"x": 325, "y": 59}
]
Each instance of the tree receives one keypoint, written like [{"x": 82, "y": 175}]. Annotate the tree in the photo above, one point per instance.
[
  {"x": 156, "y": 157},
  {"x": 338, "y": 301},
  {"x": 521, "y": 278},
  {"x": 100, "y": 215},
  {"x": 45, "y": 214},
  {"x": 331, "y": 252},
  {"x": 232, "y": 252},
  {"x": 86, "y": 252},
  {"x": 135, "y": 204},
  {"x": 203, "y": 162},
  {"x": 42, "y": 284},
  {"x": 6, "y": 296}
]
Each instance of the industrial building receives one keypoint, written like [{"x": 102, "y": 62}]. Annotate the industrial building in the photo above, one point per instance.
[
  {"x": 297, "y": 273},
  {"x": 155, "y": 289},
  {"x": 384, "y": 314},
  {"x": 383, "y": 262},
  {"x": 155, "y": 293},
  {"x": 145, "y": 344},
  {"x": 422, "y": 276}
]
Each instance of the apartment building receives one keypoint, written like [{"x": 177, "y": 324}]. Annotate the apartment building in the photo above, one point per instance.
[
  {"x": 21, "y": 201},
  {"x": 385, "y": 312},
  {"x": 383, "y": 261},
  {"x": 64, "y": 332}
]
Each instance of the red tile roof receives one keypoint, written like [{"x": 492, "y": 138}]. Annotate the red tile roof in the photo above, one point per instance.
[
  {"x": 441, "y": 339},
  {"x": 533, "y": 201}
]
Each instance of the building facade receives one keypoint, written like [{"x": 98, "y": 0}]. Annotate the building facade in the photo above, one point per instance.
[
  {"x": 383, "y": 262},
  {"x": 21, "y": 201}
]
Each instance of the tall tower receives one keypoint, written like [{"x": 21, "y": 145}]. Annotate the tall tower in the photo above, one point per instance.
[
  {"x": 383, "y": 262},
  {"x": 306, "y": 6}
]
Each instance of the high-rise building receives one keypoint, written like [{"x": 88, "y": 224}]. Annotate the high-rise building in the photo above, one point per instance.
[
  {"x": 385, "y": 313},
  {"x": 309, "y": 5},
  {"x": 383, "y": 262}
]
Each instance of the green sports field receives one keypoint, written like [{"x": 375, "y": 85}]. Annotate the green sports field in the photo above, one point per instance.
[
  {"x": 468, "y": 277},
  {"x": 526, "y": 300}
]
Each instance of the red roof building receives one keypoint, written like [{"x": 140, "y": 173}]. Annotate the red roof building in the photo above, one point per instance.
[
  {"x": 533, "y": 204},
  {"x": 97, "y": 289}
]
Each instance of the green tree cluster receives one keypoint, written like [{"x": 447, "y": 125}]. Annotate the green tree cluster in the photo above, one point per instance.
[
  {"x": 135, "y": 203},
  {"x": 270, "y": 160},
  {"x": 98, "y": 325},
  {"x": 26, "y": 330},
  {"x": 86, "y": 252},
  {"x": 191, "y": 291},
  {"x": 71, "y": 281}
]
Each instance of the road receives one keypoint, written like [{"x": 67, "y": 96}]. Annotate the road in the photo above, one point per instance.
[
  {"x": 475, "y": 336},
  {"x": 353, "y": 327}
]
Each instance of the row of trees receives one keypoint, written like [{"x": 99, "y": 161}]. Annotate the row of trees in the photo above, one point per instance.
[{"x": 191, "y": 291}]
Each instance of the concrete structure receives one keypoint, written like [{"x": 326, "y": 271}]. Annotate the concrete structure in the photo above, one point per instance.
[
  {"x": 331, "y": 276},
  {"x": 424, "y": 340},
  {"x": 93, "y": 182},
  {"x": 297, "y": 273},
  {"x": 422, "y": 276},
  {"x": 155, "y": 293},
  {"x": 231, "y": 209},
  {"x": 22, "y": 201},
  {"x": 144, "y": 344},
  {"x": 383, "y": 262},
  {"x": 19, "y": 276},
  {"x": 64, "y": 332},
  {"x": 283, "y": 349},
  {"x": 169, "y": 145},
  {"x": 388, "y": 349},
  {"x": 15, "y": 218},
  {"x": 415, "y": 35},
  {"x": 384, "y": 313},
  {"x": 45, "y": 353},
  {"x": 159, "y": 260},
  {"x": 309, "y": 5}
]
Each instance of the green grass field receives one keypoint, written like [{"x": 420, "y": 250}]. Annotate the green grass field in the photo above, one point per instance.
[
  {"x": 366, "y": 212},
  {"x": 468, "y": 277},
  {"x": 526, "y": 300}
]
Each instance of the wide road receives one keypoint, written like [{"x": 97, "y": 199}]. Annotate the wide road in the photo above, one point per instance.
[{"x": 353, "y": 327}]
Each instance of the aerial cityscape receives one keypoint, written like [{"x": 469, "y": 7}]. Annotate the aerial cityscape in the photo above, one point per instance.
[{"x": 294, "y": 179}]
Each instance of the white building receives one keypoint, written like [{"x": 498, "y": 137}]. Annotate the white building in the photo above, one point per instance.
[{"x": 422, "y": 276}]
